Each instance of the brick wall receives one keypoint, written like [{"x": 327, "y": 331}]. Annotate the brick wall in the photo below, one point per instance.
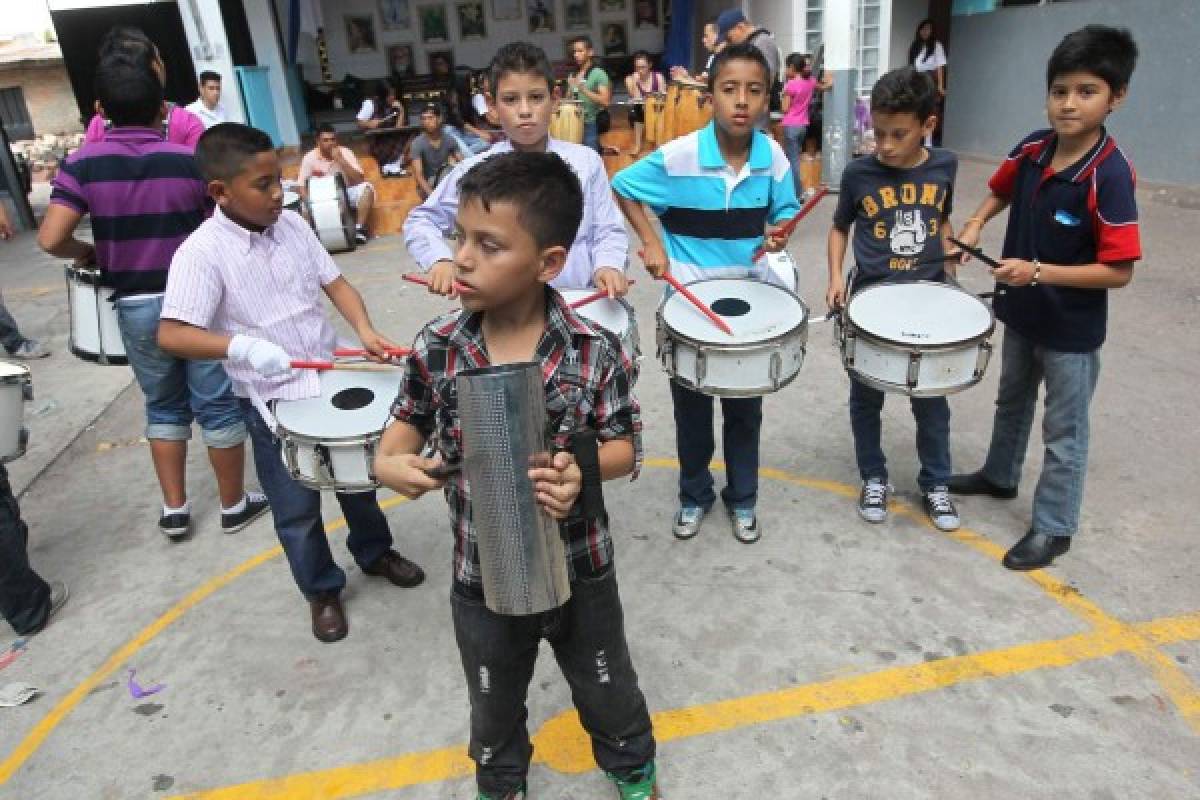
[{"x": 48, "y": 96}]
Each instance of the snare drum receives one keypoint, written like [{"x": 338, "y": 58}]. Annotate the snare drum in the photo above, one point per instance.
[
  {"x": 567, "y": 122},
  {"x": 922, "y": 338},
  {"x": 328, "y": 441},
  {"x": 16, "y": 387},
  {"x": 613, "y": 315},
  {"x": 291, "y": 200},
  {"x": 329, "y": 212},
  {"x": 95, "y": 335},
  {"x": 770, "y": 330}
]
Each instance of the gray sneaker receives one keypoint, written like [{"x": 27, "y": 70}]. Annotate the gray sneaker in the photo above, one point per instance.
[
  {"x": 872, "y": 502},
  {"x": 940, "y": 509},
  {"x": 29, "y": 350},
  {"x": 745, "y": 525},
  {"x": 687, "y": 522}
]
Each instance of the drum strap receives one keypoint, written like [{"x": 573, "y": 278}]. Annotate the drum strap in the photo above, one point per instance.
[
  {"x": 590, "y": 504},
  {"x": 262, "y": 408}
]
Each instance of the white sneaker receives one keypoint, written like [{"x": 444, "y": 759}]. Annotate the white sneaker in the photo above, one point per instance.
[
  {"x": 872, "y": 502},
  {"x": 687, "y": 522},
  {"x": 940, "y": 509}
]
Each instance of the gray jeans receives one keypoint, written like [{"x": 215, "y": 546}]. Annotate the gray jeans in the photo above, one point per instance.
[{"x": 1070, "y": 380}]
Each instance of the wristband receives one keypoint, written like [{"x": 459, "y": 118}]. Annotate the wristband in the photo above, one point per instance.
[{"x": 1037, "y": 272}]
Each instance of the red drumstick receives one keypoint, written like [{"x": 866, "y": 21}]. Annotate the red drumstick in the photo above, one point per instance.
[
  {"x": 691, "y": 298},
  {"x": 354, "y": 367},
  {"x": 458, "y": 287},
  {"x": 396, "y": 352},
  {"x": 790, "y": 225},
  {"x": 600, "y": 294}
]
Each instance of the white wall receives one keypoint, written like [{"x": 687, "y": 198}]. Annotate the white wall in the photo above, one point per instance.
[
  {"x": 784, "y": 19},
  {"x": 473, "y": 53},
  {"x": 211, "y": 50},
  {"x": 267, "y": 53}
]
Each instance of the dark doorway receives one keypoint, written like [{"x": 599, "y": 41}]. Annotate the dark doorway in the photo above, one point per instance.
[{"x": 237, "y": 32}]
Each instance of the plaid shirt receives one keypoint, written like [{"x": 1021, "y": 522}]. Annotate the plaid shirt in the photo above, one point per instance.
[{"x": 586, "y": 374}]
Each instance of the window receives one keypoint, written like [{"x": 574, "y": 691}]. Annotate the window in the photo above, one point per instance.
[{"x": 15, "y": 114}]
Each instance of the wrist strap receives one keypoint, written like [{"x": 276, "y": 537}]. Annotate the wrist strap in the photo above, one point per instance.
[{"x": 1037, "y": 272}]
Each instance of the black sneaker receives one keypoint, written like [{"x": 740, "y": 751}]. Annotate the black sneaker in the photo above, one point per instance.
[
  {"x": 175, "y": 526},
  {"x": 256, "y": 505},
  {"x": 976, "y": 483},
  {"x": 360, "y": 235}
]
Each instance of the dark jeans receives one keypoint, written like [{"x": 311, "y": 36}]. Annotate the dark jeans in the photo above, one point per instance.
[
  {"x": 741, "y": 420},
  {"x": 588, "y": 637},
  {"x": 24, "y": 596},
  {"x": 297, "y": 513},
  {"x": 10, "y": 336},
  {"x": 933, "y": 435},
  {"x": 591, "y": 135}
]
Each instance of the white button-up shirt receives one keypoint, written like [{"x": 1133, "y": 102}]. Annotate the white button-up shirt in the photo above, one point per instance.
[
  {"x": 268, "y": 285},
  {"x": 600, "y": 242},
  {"x": 209, "y": 116}
]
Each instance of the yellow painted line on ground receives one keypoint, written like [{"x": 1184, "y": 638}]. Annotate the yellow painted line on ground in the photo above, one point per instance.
[
  {"x": 33, "y": 740},
  {"x": 562, "y": 745}
]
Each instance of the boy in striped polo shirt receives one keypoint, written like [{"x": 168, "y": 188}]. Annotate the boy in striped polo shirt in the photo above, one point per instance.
[
  {"x": 145, "y": 196},
  {"x": 714, "y": 192}
]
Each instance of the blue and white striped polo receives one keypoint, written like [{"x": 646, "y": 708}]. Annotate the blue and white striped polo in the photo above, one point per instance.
[{"x": 712, "y": 218}]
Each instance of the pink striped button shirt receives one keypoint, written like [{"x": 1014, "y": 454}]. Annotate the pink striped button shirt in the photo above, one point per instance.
[{"x": 268, "y": 285}]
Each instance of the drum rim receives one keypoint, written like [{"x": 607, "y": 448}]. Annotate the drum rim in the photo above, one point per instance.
[
  {"x": 23, "y": 375},
  {"x": 736, "y": 346},
  {"x": 903, "y": 388},
  {"x": 282, "y": 431},
  {"x": 848, "y": 324},
  {"x": 83, "y": 274},
  {"x": 756, "y": 392}
]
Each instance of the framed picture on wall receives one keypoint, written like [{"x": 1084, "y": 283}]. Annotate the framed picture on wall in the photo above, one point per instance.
[
  {"x": 434, "y": 27},
  {"x": 605, "y": 6},
  {"x": 471, "y": 23},
  {"x": 615, "y": 39},
  {"x": 360, "y": 33},
  {"x": 506, "y": 9},
  {"x": 441, "y": 62},
  {"x": 577, "y": 15},
  {"x": 541, "y": 15},
  {"x": 400, "y": 60},
  {"x": 645, "y": 13},
  {"x": 394, "y": 15}
]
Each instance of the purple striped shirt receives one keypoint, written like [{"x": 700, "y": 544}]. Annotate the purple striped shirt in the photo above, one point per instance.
[
  {"x": 144, "y": 195},
  {"x": 268, "y": 285}
]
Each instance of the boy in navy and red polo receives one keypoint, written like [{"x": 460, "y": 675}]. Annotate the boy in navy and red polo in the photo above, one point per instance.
[{"x": 1072, "y": 235}]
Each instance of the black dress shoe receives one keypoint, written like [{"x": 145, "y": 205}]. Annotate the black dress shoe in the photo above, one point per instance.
[
  {"x": 397, "y": 569},
  {"x": 328, "y": 618},
  {"x": 1036, "y": 550},
  {"x": 975, "y": 483}
]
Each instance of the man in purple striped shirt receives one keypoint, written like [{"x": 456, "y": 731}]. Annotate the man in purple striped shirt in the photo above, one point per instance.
[{"x": 145, "y": 197}]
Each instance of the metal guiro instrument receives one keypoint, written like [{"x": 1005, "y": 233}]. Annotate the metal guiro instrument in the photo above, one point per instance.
[{"x": 502, "y": 410}]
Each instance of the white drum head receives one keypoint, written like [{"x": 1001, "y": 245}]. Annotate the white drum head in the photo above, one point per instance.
[
  {"x": 350, "y": 404},
  {"x": 10, "y": 370},
  {"x": 756, "y": 311},
  {"x": 608, "y": 314},
  {"x": 324, "y": 188},
  {"x": 291, "y": 199},
  {"x": 919, "y": 313}
]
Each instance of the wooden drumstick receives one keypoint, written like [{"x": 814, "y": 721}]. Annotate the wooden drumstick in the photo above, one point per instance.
[
  {"x": 600, "y": 294},
  {"x": 458, "y": 287},
  {"x": 790, "y": 225},
  {"x": 391, "y": 352},
  {"x": 691, "y": 298},
  {"x": 347, "y": 366}
]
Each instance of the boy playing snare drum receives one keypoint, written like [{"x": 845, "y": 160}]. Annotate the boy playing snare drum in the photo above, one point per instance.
[
  {"x": 899, "y": 204},
  {"x": 245, "y": 287}
]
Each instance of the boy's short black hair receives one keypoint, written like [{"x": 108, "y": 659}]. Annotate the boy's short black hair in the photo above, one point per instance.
[
  {"x": 796, "y": 61},
  {"x": 209, "y": 75},
  {"x": 904, "y": 89},
  {"x": 433, "y": 108},
  {"x": 1108, "y": 53},
  {"x": 224, "y": 148},
  {"x": 127, "y": 40},
  {"x": 738, "y": 52},
  {"x": 582, "y": 37},
  {"x": 544, "y": 189},
  {"x": 130, "y": 92},
  {"x": 523, "y": 58},
  {"x": 326, "y": 127}
]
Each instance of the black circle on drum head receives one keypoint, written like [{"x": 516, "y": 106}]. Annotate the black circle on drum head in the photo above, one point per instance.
[
  {"x": 731, "y": 307},
  {"x": 352, "y": 399}
]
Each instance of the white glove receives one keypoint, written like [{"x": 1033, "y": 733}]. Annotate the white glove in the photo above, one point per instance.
[{"x": 265, "y": 358}]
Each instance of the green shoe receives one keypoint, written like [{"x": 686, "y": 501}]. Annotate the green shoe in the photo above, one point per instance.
[{"x": 638, "y": 787}]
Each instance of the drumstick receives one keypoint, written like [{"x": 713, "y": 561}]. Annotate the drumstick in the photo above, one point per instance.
[
  {"x": 394, "y": 352},
  {"x": 790, "y": 225},
  {"x": 691, "y": 298},
  {"x": 591, "y": 298},
  {"x": 975, "y": 251},
  {"x": 350, "y": 367},
  {"x": 458, "y": 287}
]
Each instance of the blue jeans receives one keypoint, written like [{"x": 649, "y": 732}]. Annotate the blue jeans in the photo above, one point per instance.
[
  {"x": 741, "y": 420},
  {"x": 297, "y": 513},
  {"x": 24, "y": 596},
  {"x": 587, "y": 635},
  {"x": 793, "y": 146},
  {"x": 932, "y": 415},
  {"x": 1070, "y": 380},
  {"x": 177, "y": 390},
  {"x": 591, "y": 135}
]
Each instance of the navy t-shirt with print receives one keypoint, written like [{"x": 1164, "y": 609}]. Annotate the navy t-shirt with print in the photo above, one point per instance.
[
  {"x": 1083, "y": 214},
  {"x": 897, "y": 216}
]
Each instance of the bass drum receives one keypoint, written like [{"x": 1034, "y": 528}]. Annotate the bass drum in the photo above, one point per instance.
[{"x": 330, "y": 213}]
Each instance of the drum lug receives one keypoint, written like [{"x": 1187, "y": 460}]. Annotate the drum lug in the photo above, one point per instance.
[
  {"x": 775, "y": 370},
  {"x": 666, "y": 351},
  {"x": 701, "y": 366},
  {"x": 369, "y": 447},
  {"x": 290, "y": 453},
  {"x": 914, "y": 369},
  {"x": 848, "y": 340},
  {"x": 985, "y": 355},
  {"x": 27, "y": 392},
  {"x": 322, "y": 464}
]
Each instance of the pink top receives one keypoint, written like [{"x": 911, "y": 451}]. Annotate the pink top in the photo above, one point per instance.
[
  {"x": 230, "y": 280},
  {"x": 800, "y": 90},
  {"x": 183, "y": 128}
]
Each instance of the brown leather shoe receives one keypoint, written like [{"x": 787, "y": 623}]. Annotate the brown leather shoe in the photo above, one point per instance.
[
  {"x": 397, "y": 569},
  {"x": 328, "y": 618}
]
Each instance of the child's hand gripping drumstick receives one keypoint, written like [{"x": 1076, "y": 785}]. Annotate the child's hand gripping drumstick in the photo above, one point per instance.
[
  {"x": 691, "y": 298},
  {"x": 458, "y": 287},
  {"x": 786, "y": 229}
]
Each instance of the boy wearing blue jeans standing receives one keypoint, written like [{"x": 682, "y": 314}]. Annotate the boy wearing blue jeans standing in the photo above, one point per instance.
[{"x": 1072, "y": 235}]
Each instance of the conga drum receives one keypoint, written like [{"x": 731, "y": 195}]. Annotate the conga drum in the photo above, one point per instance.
[
  {"x": 653, "y": 115},
  {"x": 693, "y": 108},
  {"x": 567, "y": 122}
]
